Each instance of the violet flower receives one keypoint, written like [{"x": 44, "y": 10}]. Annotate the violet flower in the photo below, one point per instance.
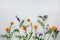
[
  {"x": 18, "y": 18},
  {"x": 40, "y": 34},
  {"x": 58, "y": 31},
  {"x": 45, "y": 16},
  {"x": 46, "y": 28}
]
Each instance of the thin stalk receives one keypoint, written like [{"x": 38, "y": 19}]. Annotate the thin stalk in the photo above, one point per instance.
[
  {"x": 26, "y": 33},
  {"x": 10, "y": 38},
  {"x": 44, "y": 30},
  {"x": 19, "y": 33},
  {"x": 10, "y": 32},
  {"x": 7, "y": 39},
  {"x": 19, "y": 38},
  {"x": 35, "y": 33},
  {"x": 30, "y": 36},
  {"x": 49, "y": 36},
  {"x": 31, "y": 27},
  {"x": 54, "y": 38},
  {"x": 31, "y": 31}
]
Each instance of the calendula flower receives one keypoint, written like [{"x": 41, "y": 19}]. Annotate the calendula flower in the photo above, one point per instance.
[
  {"x": 7, "y": 29},
  {"x": 28, "y": 19},
  {"x": 11, "y": 23},
  {"x": 35, "y": 26},
  {"x": 25, "y": 28},
  {"x": 54, "y": 28}
]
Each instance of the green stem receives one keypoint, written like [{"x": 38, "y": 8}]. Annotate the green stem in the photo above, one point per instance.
[
  {"x": 26, "y": 34},
  {"x": 35, "y": 33},
  {"x": 44, "y": 29},
  {"x": 10, "y": 32},
  {"x": 49, "y": 36},
  {"x": 44, "y": 32},
  {"x": 7, "y": 39},
  {"x": 31, "y": 26},
  {"x": 54, "y": 38},
  {"x": 10, "y": 38},
  {"x": 19, "y": 38},
  {"x": 19, "y": 34},
  {"x": 30, "y": 36},
  {"x": 31, "y": 31}
]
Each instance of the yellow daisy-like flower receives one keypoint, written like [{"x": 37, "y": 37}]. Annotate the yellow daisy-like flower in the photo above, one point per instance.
[
  {"x": 7, "y": 29},
  {"x": 48, "y": 25},
  {"x": 11, "y": 23},
  {"x": 35, "y": 26},
  {"x": 24, "y": 28},
  {"x": 28, "y": 19}
]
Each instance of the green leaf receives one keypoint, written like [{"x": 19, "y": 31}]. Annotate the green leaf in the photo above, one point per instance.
[
  {"x": 40, "y": 22},
  {"x": 30, "y": 35},
  {"x": 41, "y": 39},
  {"x": 7, "y": 36},
  {"x": 55, "y": 34},
  {"x": 21, "y": 23},
  {"x": 52, "y": 36},
  {"x": 49, "y": 31},
  {"x": 42, "y": 18},
  {"x": 18, "y": 36},
  {"x": 3, "y": 35},
  {"x": 34, "y": 37},
  {"x": 26, "y": 35},
  {"x": 16, "y": 16},
  {"x": 23, "y": 36},
  {"x": 16, "y": 30},
  {"x": 37, "y": 38}
]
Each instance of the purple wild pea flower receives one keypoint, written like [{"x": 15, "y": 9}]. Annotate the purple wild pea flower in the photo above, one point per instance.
[
  {"x": 57, "y": 31},
  {"x": 17, "y": 18},
  {"x": 46, "y": 28},
  {"x": 40, "y": 34},
  {"x": 45, "y": 16}
]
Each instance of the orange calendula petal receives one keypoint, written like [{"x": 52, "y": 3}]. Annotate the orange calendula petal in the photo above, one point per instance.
[
  {"x": 7, "y": 29},
  {"x": 35, "y": 26},
  {"x": 25, "y": 28},
  {"x": 54, "y": 28}
]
